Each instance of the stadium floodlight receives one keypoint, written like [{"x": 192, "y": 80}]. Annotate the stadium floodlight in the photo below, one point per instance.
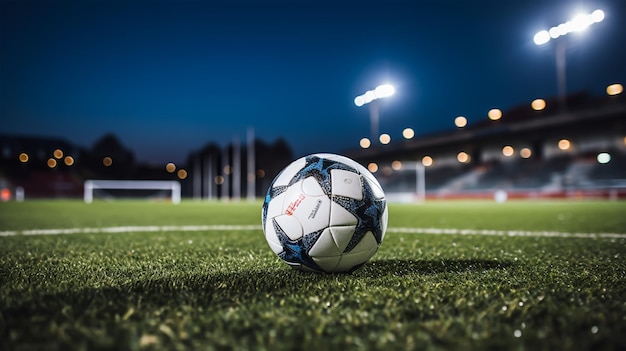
[
  {"x": 369, "y": 98},
  {"x": 578, "y": 24}
]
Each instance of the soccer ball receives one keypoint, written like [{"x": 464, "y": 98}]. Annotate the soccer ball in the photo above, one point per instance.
[{"x": 325, "y": 213}]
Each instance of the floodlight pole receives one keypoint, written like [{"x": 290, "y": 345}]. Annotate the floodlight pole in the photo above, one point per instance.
[
  {"x": 371, "y": 98},
  {"x": 578, "y": 23},
  {"x": 374, "y": 118},
  {"x": 561, "y": 72}
]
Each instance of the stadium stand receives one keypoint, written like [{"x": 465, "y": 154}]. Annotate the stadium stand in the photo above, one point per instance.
[
  {"x": 564, "y": 144},
  {"x": 586, "y": 127}
]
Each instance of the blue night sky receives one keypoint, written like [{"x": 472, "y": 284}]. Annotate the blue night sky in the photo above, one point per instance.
[{"x": 169, "y": 77}]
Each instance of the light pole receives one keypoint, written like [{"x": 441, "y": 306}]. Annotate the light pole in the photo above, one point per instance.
[
  {"x": 577, "y": 24},
  {"x": 370, "y": 98}
]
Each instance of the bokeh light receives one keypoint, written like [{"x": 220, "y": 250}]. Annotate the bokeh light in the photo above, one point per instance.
[
  {"x": 5, "y": 194},
  {"x": 227, "y": 169},
  {"x": 525, "y": 152},
  {"x": 460, "y": 121},
  {"x": 68, "y": 160},
  {"x": 52, "y": 163},
  {"x": 372, "y": 167},
  {"x": 385, "y": 139},
  {"x": 614, "y": 89},
  {"x": 170, "y": 167},
  {"x": 23, "y": 157},
  {"x": 396, "y": 165},
  {"x": 58, "y": 153},
  {"x": 408, "y": 133},
  {"x": 219, "y": 180},
  {"x": 508, "y": 151},
  {"x": 182, "y": 174},
  {"x": 542, "y": 37},
  {"x": 260, "y": 173},
  {"x": 427, "y": 161},
  {"x": 538, "y": 104},
  {"x": 463, "y": 157},
  {"x": 564, "y": 144},
  {"x": 494, "y": 114},
  {"x": 107, "y": 161},
  {"x": 365, "y": 143},
  {"x": 604, "y": 157}
]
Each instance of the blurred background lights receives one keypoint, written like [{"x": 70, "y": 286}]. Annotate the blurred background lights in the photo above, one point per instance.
[
  {"x": 525, "y": 152},
  {"x": 542, "y": 37},
  {"x": 427, "y": 161},
  {"x": 23, "y": 157},
  {"x": 219, "y": 180},
  {"x": 182, "y": 174},
  {"x": 52, "y": 163},
  {"x": 396, "y": 165},
  {"x": 577, "y": 24},
  {"x": 58, "y": 153},
  {"x": 463, "y": 157},
  {"x": 494, "y": 114},
  {"x": 538, "y": 104},
  {"x": 614, "y": 89},
  {"x": 564, "y": 144},
  {"x": 365, "y": 143},
  {"x": 508, "y": 151},
  {"x": 387, "y": 171},
  {"x": 384, "y": 90},
  {"x": 5, "y": 194},
  {"x": 381, "y": 91},
  {"x": 604, "y": 157},
  {"x": 372, "y": 167},
  {"x": 227, "y": 169},
  {"x": 68, "y": 160},
  {"x": 170, "y": 167},
  {"x": 385, "y": 139},
  {"x": 460, "y": 121},
  {"x": 107, "y": 161},
  {"x": 408, "y": 133},
  {"x": 260, "y": 173}
]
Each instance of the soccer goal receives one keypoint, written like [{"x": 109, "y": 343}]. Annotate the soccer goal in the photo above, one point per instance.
[{"x": 170, "y": 186}]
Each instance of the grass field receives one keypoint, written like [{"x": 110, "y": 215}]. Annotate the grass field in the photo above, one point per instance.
[{"x": 152, "y": 275}]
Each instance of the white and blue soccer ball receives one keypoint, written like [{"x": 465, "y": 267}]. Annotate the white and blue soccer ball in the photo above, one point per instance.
[{"x": 325, "y": 213}]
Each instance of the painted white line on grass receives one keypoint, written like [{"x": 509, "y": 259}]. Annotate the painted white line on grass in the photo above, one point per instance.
[
  {"x": 487, "y": 232},
  {"x": 130, "y": 229},
  {"x": 198, "y": 228}
]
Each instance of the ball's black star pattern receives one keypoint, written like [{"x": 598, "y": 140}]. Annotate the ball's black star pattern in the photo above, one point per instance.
[
  {"x": 319, "y": 168},
  {"x": 296, "y": 251},
  {"x": 368, "y": 211}
]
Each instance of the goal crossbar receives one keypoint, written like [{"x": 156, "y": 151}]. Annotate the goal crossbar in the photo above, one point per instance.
[{"x": 172, "y": 185}]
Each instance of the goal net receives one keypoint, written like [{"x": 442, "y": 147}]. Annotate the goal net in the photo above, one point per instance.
[
  {"x": 110, "y": 189},
  {"x": 407, "y": 184}
]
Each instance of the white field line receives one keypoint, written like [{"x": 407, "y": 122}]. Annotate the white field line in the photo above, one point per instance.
[{"x": 196, "y": 228}]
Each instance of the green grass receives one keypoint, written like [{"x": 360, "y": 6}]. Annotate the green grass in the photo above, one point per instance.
[{"x": 227, "y": 290}]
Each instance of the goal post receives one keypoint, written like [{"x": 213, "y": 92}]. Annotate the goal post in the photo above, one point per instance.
[{"x": 172, "y": 185}]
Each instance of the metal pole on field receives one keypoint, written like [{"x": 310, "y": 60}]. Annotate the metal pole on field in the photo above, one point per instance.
[
  {"x": 197, "y": 177},
  {"x": 209, "y": 177},
  {"x": 251, "y": 188},
  {"x": 420, "y": 181},
  {"x": 226, "y": 170},
  {"x": 236, "y": 169}
]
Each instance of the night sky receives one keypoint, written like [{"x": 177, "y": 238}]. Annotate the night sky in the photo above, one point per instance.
[{"x": 169, "y": 77}]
